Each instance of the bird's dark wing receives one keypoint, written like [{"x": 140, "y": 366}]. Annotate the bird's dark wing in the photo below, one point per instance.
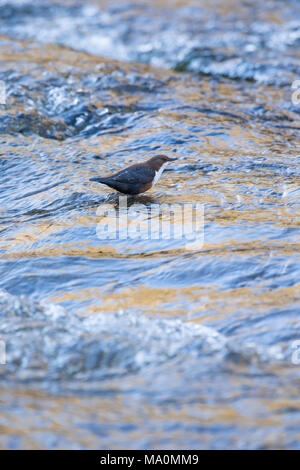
[{"x": 138, "y": 173}]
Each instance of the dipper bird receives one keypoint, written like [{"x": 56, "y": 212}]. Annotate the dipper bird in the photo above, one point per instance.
[{"x": 138, "y": 178}]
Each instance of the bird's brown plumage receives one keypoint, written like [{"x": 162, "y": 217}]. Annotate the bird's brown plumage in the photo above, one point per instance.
[{"x": 136, "y": 178}]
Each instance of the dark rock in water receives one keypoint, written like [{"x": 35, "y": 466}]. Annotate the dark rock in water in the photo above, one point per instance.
[{"x": 34, "y": 123}]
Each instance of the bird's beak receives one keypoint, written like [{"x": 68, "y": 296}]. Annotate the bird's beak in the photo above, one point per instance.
[{"x": 172, "y": 159}]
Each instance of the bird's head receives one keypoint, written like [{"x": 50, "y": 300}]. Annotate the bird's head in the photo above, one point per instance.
[{"x": 159, "y": 160}]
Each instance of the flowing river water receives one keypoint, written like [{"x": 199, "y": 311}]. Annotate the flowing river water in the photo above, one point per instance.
[{"x": 147, "y": 343}]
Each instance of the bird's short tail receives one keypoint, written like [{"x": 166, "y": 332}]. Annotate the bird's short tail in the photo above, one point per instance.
[{"x": 98, "y": 179}]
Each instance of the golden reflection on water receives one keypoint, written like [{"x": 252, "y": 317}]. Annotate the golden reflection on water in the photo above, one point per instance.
[
  {"x": 70, "y": 416},
  {"x": 196, "y": 303}
]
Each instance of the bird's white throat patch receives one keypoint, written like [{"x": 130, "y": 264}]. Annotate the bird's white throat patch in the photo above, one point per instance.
[{"x": 158, "y": 173}]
